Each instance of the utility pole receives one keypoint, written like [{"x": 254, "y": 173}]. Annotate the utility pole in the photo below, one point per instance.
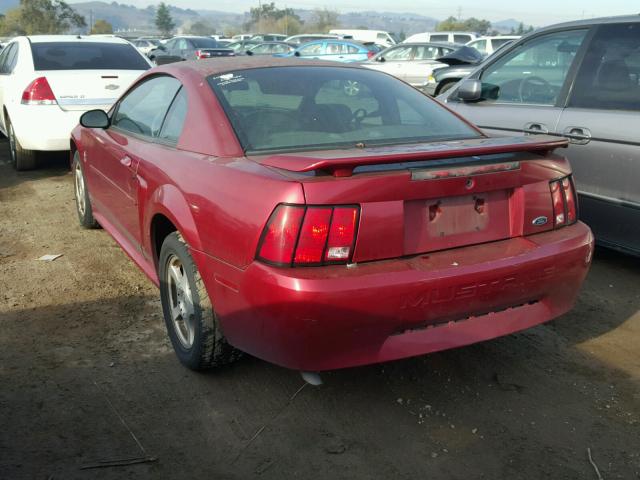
[{"x": 459, "y": 13}]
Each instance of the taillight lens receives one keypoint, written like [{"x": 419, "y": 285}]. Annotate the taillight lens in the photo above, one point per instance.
[
  {"x": 38, "y": 93},
  {"x": 281, "y": 233},
  {"x": 314, "y": 235},
  {"x": 200, "y": 54},
  {"x": 565, "y": 204},
  {"x": 370, "y": 53}
]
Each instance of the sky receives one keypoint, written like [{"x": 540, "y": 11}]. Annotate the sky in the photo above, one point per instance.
[{"x": 538, "y": 13}]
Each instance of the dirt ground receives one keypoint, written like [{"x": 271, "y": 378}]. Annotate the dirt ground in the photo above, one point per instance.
[{"x": 87, "y": 375}]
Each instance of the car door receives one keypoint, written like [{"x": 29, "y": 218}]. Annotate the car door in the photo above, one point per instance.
[
  {"x": 135, "y": 124},
  {"x": 602, "y": 121},
  {"x": 315, "y": 50},
  {"x": 523, "y": 90}
]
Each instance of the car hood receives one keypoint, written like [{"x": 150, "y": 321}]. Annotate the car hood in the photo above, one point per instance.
[{"x": 462, "y": 56}]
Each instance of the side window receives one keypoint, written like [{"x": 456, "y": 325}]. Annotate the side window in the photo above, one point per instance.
[
  {"x": 480, "y": 45},
  {"x": 534, "y": 73},
  {"x": 143, "y": 110},
  {"x": 313, "y": 49},
  {"x": 334, "y": 48},
  {"x": 8, "y": 59},
  {"x": 3, "y": 57},
  {"x": 174, "y": 122},
  {"x": 399, "y": 53},
  {"x": 439, "y": 38},
  {"x": 461, "y": 38},
  {"x": 182, "y": 44},
  {"x": 349, "y": 49},
  {"x": 609, "y": 77},
  {"x": 381, "y": 36},
  {"x": 426, "y": 53}
]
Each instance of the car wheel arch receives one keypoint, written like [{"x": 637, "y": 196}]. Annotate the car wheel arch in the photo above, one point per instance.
[{"x": 166, "y": 206}]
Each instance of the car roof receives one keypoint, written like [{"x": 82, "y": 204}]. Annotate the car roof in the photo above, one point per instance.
[
  {"x": 75, "y": 38},
  {"x": 593, "y": 21},
  {"x": 221, "y": 65}
]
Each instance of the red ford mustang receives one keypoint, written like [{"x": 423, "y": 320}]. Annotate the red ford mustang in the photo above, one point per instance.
[{"x": 287, "y": 214}]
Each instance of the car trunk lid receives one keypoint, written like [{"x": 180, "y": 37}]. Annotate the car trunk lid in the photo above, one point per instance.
[
  {"x": 89, "y": 89},
  {"x": 435, "y": 196}
]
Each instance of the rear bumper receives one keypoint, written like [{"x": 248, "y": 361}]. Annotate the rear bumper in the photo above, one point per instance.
[
  {"x": 335, "y": 317},
  {"x": 44, "y": 127}
]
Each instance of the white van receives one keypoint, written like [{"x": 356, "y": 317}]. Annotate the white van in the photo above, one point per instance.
[
  {"x": 450, "y": 37},
  {"x": 374, "y": 36}
]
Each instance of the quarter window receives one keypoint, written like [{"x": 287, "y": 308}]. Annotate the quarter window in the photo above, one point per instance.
[
  {"x": 143, "y": 110},
  {"x": 174, "y": 122},
  {"x": 609, "y": 77},
  {"x": 534, "y": 73}
]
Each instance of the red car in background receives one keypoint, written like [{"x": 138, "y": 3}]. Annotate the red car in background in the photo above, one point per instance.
[{"x": 283, "y": 215}]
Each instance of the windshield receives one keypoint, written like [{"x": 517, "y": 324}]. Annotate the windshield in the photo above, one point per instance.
[
  {"x": 304, "y": 108},
  {"x": 204, "y": 42},
  {"x": 86, "y": 56}
]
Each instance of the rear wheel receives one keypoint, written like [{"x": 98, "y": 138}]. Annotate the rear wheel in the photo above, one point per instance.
[
  {"x": 191, "y": 320},
  {"x": 21, "y": 159},
  {"x": 83, "y": 204}
]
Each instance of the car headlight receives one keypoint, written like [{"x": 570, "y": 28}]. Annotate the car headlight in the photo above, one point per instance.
[{"x": 430, "y": 79}]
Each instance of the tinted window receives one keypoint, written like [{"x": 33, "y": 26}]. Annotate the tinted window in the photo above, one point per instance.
[
  {"x": 480, "y": 45},
  {"x": 535, "y": 72},
  {"x": 439, "y": 38},
  {"x": 293, "y": 108},
  {"x": 174, "y": 122},
  {"x": 204, "y": 42},
  {"x": 427, "y": 53},
  {"x": 461, "y": 38},
  {"x": 86, "y": 56},
  {"x": 3, "y": 57},
  {"x": 143, "y": 110},
  {"x": 498, "y": 42},
  {"x": 609, "y": 77}
]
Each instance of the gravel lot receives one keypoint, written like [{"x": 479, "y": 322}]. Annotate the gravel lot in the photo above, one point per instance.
[{"x": 85, "y": 366}]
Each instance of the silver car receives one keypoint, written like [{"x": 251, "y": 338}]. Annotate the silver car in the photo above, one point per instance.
[{"x": 579, "y": 80}]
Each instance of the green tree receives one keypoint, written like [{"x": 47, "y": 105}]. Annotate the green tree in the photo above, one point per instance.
[
  {"x": 469, "y": 25},
  {"x": 164, "y": 21},
  {"x": 33, "y": 17},
  {"x": 101, "y": 27},
  {"x": 323, "y": 20},
  {"x": 270, "y": 19},
  {"x": 202, "y": 28}
]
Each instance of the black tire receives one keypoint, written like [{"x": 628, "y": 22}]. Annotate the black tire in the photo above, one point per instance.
[
  {"x": 209, "y": 348},
  {"x": 81, "y": 194},
  {"x": 21, "y": 159},
  {"x": 444, "y": 86}
]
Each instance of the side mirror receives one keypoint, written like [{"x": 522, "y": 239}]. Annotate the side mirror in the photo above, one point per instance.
[
  {"x": 162, "y": 47},
  {"x": 470, "y": 90},
  {"x": 249, "y": 52},
  {"x": 95, "y": 119},
  {"x": 381, "y": 59},
  {"x": 296, "y": 53}
]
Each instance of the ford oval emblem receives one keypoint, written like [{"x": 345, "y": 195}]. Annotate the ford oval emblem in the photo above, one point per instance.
[{"x": 539, "y": 221}]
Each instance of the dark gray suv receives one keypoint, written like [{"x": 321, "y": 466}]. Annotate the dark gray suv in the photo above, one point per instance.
[{"x": 579, "y": 80}]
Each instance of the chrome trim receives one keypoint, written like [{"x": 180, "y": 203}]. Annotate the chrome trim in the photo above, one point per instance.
[{"x": 86, "y": 101}]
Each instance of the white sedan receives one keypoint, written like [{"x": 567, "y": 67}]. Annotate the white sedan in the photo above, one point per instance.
[{"x": 48, "y": 81}]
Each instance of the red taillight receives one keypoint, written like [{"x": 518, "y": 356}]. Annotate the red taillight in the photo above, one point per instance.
[
  {"x": 200, "y": 54},
  {"x": 563, "y": 197},
  {"x": 315, "y": 235},
  {"x": 370, "y": 53},
  {"x": 280, "y": 234},
  {"x": 342, "y": 234},
  {"x": 570, "y": 196},
  {"x": 38, "y": 93}
]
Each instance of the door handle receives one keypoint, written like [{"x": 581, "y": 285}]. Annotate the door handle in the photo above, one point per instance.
[
  {"x": 126, "y": 161},
  {"x": 577, "y": 135},
  {"x": 534, "y": 128}
]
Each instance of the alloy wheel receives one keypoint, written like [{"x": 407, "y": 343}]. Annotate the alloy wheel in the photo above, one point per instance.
[{"x": 181, "y": 306}]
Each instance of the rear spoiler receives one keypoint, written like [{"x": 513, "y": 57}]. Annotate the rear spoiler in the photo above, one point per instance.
[{"x": 340, "y": 163}]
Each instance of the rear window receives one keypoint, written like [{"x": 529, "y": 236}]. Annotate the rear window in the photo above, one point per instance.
[
  {"x": 86, "y": 56},
  {"x": 306, "y": 108},
  {"x": 204, "y": 42}
]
